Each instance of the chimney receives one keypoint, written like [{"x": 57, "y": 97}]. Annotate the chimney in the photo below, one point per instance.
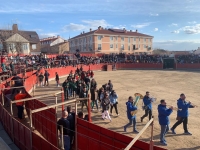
[
  {"x": 15, "y": 28},
  {"x": 58, "y": 36},
  {"x": 83, "y": 32},
  {"x": 130, "y": 30},
  {"x": 136, "y": 30},
  {"x": 90, "y": 29},
  {"x": 99, "y": 28}
]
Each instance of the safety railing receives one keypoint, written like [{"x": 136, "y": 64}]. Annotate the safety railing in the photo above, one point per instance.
[{"x": 140, "y": 133}]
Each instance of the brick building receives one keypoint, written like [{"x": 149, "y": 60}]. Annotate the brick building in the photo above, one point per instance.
[
  {"x": 19, "y": 42},
  {"x": 54, "y": 45},
  {"x": 111, "y": 41}
]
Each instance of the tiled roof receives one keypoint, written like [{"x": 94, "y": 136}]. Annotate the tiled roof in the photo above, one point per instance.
[
  {"x": 120, "y": 32},
  {"x": 113, "y": 32},
  {"x": 31, "y": 36}
]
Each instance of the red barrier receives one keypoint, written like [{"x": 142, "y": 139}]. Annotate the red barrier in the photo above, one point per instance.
[
  {"x": 138, "y": 66},
  {"x": 188, "y": 66},
  {"x": 91, "y": 136}
]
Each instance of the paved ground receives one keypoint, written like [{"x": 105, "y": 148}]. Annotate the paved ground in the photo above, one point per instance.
[
  {"x": 5, "y": 141},
  {"x": 166, "y": 85}
]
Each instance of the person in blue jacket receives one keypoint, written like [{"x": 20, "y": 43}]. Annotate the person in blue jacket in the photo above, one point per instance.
[
  {"x": 147, "y": 106},
  {"x": 132, "y": 119},
  {"x": 163, "y": 118},
  {"x": 182, "y": 114}
]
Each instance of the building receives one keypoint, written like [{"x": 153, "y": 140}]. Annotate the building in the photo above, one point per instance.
[
  {"x": 54, "y": 45},
  {"x": 111, "y": 41},
  {"x": 19, "y": 42}
]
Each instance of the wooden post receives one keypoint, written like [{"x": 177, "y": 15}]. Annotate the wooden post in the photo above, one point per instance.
[
  {"x": 76, "y": 145},
  {"x": 62, "y": 140},
  {"x": 62, "y": 97},
  {"x": 151, "y": 141},
  {"x": 2, "y": 97},
  {"x": 11, "y": 109},
  {"x": 31, "y": 123},
  {"x": 89, "y": 109},
  {"x": 56, "y": 103},
  {"x": 33, "y": 90}
]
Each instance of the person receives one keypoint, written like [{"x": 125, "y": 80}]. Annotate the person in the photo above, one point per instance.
[
  {"x": 94, "y": 98},
  {"x": 182, "y": 114},
  {"x": 57, "y": 79},
  {"x": 132, "y": 119},
  {"x": 148, "y": 106},
  {"x": 41, "y": 78},
  {"x": 110, "y": 86},
  {"x": 163, "y": 118},
  {"x": 93, "y": 85},
  {"x": 65, "y": 86},
  {"x": 80, "y": 115},
  {"x": 91, "y": 74},
  {"x": 20, "y": 95},
  {"x": 71, "y": 119},
  {"x": 105, "y": 107},
  {"x": 113, "y": 102},
  {"x": 83, "y": 94},
  {"x": 66, "y": 129},
  {"x": 46, "y": 78}
]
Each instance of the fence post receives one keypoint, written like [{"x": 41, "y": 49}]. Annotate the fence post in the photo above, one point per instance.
[
  {"x": 56, "y": 103},
  {"x": 76, "y": 146},
  {"x": 33, "y": 90},
  {"x": 62, "y": 98},
  {"x": 2, "y": 96},
  {"x": 62, "y": 140},
  {"x": 151, "y": 140},
  {"x": 89, "y": 109}
]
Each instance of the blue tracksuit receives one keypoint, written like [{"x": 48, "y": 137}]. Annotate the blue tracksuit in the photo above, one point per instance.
[
  {"x": 147, "y": 102},
  {"x": 183, "y": 105},
  {"x": 163, "y": 114},
  {"x": 130, "y": 108}
]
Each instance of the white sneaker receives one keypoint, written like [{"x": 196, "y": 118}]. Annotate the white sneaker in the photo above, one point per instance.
[{"x": 117, "y": 114}]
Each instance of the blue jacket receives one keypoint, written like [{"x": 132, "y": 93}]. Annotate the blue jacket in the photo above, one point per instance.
[
  {"x": 113, "y": 98},
  {"x": 147, "y": 102},
  {"x": 130, "y": 108},
  {"x": 163, "y": 114},
  {"x": 183, "y": 105}
]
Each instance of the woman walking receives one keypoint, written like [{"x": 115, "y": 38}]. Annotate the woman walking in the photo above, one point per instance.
[
  {"x": 105, "y": 106},
  {"x": 113, "y": 102}
]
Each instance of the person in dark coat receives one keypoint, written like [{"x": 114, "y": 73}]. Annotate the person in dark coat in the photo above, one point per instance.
[
  {"x": 105, "y": 107},
  {"x": 83, "y": 94},
  {"x": 46, "y": 78},
  {"x": 110, "y": 86},
  {"x": 163, "y": 118},
  {"x": 182, "y": 114}
]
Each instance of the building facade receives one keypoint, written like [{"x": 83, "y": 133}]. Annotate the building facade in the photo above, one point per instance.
[
  {"x": 54, "y": 45},
  {"x": 111, "y": 41},
  {"x": 19, "y": 42}
]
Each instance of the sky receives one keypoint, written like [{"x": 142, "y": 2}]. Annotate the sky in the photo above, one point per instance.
[{"x": 175, "y": 24}]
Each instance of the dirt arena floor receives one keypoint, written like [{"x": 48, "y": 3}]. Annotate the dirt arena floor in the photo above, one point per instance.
[{"x": 166, "y": 85}]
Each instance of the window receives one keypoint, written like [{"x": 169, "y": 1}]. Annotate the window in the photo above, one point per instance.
[
  {"x": 129, "y": 39},
  {"x": 133, "y": 47},
  {"x": 144, "y": 39},
  {"x": 33, "y": 46},
  {"x": 111, "y": 38},
  {"x": 122, "y": 47},
  {"x": 129, "y": 48},
  {"x": 99, "y": 46},
  {"x": 24, "y": 47},
  {"x": 116, "y": 38},
  {"x": 149, "y": 40},
  {"x": 122, "y": 38},
  {"x": 111, "y": 45},
  {"x": 144, "y": 46},
  {"x": 116, "y": 45},
  {"x": 139, "y": 39},
  {"x": 138, "y": 46},
  {"x": 134, "y": 39},
  {"x": 99, "y": 37}
]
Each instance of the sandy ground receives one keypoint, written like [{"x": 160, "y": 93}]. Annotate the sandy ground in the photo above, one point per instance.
[{"x": 166, "y": 85}]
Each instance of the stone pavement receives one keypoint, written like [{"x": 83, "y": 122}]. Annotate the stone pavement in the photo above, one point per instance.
[{"x": 5, "y": 142}]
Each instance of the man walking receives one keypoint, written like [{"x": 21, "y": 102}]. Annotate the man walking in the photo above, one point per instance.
[
  {"x": 132, "y": 119},
  {"x": 65, "y": 86},
  {"x": 66, "y": 129},
  {"x": 163, "y": 117},
  {"x": 147, "y": 106},
  {"x": 182, "y": 114}
]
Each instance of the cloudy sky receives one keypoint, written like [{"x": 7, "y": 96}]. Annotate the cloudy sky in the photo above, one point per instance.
[{"x": 175, "y": 24}]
